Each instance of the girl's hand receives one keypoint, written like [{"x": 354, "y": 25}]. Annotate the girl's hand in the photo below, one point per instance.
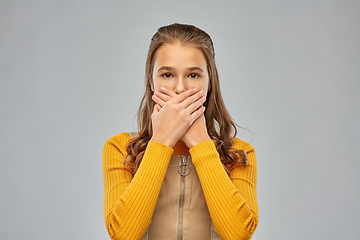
[
  {"x": 197, "y": 132},
  {"x": 172, "y": 120}
]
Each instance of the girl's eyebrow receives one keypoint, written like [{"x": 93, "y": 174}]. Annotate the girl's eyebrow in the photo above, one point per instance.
[
  {"x": 167, "y": 68},
  {"x": 196, "y": 68}
]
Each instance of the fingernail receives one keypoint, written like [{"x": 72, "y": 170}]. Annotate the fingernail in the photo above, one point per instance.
[
  {"x": 195, "y": 90},
  {"x": 201, "y": 92},
  {"x": 162, "y": 88},
  {"x": 156, "y": 92}
]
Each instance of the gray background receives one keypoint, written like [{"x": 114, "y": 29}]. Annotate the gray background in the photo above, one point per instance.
[{"x": 71, "y": 76}]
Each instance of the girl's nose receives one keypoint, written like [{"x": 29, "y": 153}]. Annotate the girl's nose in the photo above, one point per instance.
[{"x": 180, "y": 86}]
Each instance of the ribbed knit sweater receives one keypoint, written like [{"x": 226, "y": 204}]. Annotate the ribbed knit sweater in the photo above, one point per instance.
[{"x": 129, "y": 201}]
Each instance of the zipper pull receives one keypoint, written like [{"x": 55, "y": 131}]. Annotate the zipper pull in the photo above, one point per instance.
[
  {"x": 183, "y": 166},
  {"x": 184, "y": 159}
]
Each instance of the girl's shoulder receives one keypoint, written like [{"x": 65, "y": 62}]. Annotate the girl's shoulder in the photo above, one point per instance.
[
  {"x": 119, "y": 141},
  {"x": 124, "y": 136},
  {"x": 240, "y": 144}
]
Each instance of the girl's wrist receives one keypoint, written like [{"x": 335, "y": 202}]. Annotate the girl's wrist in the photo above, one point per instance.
[
  {"x": 192, "y": 142},
  {"x": 163, "y": 140}
]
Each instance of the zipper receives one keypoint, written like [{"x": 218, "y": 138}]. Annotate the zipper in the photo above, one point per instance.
[{"x": 182, "y": 173}]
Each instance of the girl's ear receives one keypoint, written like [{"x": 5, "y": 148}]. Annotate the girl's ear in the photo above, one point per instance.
[{"x": 151, "y": 85}]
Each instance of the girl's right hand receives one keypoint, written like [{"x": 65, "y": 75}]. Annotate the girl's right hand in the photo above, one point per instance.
[{"x": 172, "y": 121}]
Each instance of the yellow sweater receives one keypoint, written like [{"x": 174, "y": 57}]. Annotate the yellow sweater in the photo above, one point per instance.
[{"x": 129, "y": 202}]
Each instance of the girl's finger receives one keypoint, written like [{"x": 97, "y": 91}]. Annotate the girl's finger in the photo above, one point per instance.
[
  {"x": 155, "y": 111},
  {"x": 199, "y": 104},
  {"x": 192, "y": 99},
  {"x": 184, "y": 95},
  {"x": 164, "y": 97},
  {"x": 195, "y": 105},
  {"x": 196, "y": 114},
  {"x": 158, "y": 107},
  {"x": 168, "y": 92},
  {"x": 158, "y": 100}
]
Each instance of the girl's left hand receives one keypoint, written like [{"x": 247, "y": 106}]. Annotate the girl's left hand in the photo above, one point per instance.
[{"x": 197, "y": 132}]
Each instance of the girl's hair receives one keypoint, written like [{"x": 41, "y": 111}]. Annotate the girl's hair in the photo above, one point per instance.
[{"x": 220, "y": 125}]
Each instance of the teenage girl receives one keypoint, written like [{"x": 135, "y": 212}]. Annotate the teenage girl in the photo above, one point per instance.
[{"x": 184, "y": 174}]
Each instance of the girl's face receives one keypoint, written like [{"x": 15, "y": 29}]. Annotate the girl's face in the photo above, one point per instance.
[{"x": 180, "y": 68}]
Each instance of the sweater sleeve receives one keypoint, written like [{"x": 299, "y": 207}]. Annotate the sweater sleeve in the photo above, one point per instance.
[
  {"x": 129, "y": 202},
  {"x": 231, "y": 201}
]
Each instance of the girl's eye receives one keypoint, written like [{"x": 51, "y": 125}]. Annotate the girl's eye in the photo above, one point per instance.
[
  {"x": 193, "y": 75},
  {"x": 167, "y": 75}
]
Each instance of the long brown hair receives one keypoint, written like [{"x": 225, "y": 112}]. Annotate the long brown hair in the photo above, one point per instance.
[{"x": 220, "y": 125}]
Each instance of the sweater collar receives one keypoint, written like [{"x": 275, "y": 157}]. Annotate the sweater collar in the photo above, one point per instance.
[{"x": 180, "y": 148}]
